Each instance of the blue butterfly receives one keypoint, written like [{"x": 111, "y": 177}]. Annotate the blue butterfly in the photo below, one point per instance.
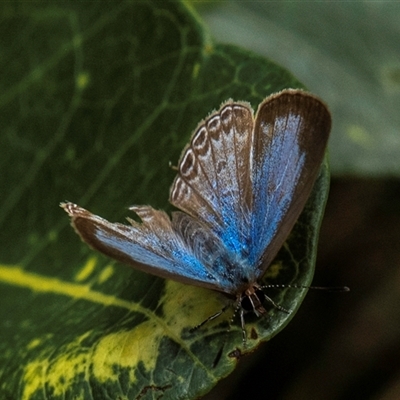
[{"x": 242, "y": 182}]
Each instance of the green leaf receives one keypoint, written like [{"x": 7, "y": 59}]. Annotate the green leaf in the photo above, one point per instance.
[{"x": 97, "y": 98}]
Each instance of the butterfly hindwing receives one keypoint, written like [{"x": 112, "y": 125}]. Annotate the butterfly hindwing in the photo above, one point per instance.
[
  {"x": 179, "y": 249},
  {"x": 213, "y": 183}
]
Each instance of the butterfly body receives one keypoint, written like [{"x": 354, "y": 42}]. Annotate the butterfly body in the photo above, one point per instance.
[{"x": 242, "y": 182}]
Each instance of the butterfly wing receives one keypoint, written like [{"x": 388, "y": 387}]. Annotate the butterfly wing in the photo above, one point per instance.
[
  {"x": 290, "y": 138},
  {"x": 213, "y": 183},
  {"x": 180, "y": 249}
]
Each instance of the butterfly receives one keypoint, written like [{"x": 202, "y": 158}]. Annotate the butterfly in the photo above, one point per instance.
[{"x": 241, "y": 184}]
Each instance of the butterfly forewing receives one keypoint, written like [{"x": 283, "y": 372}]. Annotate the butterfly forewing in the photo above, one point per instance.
[{"x": 291, "y": 133}]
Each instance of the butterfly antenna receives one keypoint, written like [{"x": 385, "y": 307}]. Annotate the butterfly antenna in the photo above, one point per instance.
[
  {"x": 173, "y": 167},
  {"x": 327, "y": 288}
]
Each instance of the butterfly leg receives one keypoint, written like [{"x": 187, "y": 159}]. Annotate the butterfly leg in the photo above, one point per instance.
[
  {"x": 210, "y": 318},
  {"x": 276, "y": 305},
  {"x": 243, "y": 325}
]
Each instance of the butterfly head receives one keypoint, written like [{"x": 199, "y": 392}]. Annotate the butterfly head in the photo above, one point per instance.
[{"x": 252, "y": 299}]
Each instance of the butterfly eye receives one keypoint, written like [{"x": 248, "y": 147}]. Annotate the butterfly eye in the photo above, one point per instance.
[{"x": 245, "y": 303}]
